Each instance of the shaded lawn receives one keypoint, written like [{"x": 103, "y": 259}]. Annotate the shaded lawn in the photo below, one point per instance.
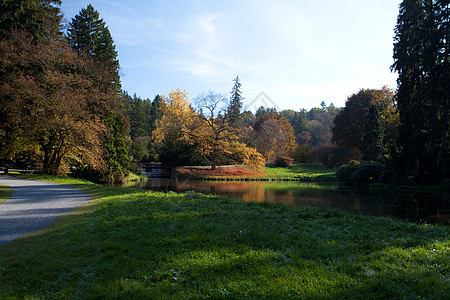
[{"x": 139, "y": 244}]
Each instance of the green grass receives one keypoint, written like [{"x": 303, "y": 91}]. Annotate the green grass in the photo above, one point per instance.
[
  {"x": 5, "y": 193},
  {"x": 141, "y": 244},
  {"x": 302, "y": 172}
]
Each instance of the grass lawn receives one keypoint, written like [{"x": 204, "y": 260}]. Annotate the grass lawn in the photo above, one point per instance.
[
  {"x": 142, "y": 244},
  {"x": 5, "y": 193},
  {"x": 302, "y": 172},
  {"x": 295, "y": 172}
]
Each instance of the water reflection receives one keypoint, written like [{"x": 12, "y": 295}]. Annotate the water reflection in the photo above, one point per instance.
[{"x": 414, "y": 207}]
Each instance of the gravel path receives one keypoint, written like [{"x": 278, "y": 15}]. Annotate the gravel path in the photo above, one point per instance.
[{"x": 34, "y": 206}]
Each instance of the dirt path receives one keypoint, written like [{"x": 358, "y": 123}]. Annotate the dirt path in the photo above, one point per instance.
[{"x": 34, "y": 206}]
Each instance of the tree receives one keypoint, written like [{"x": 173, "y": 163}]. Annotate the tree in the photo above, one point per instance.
[
  {"x": 421, "y": 58},
  {"x": 35, "y": 17},
  {"x": 217, "y": 135},
  {"x": 173, "y": 131},
  {"x": 89, "y": 35},
  {"x": 349, "y": 123},
  {"x": 372, "y": 141},
  {"x": 273, "y": 136},
  {"x": 234, "y": 108},
  {"x": 45, "y": 112}
]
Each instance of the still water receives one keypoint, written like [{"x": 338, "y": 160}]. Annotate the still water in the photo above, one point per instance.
[{"x": 414, "y": 207}]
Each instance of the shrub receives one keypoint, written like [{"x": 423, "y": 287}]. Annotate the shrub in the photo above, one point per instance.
[
  {"x": 283, "y": 161},
  {"x": 344, "y": 172},
  {"x": 368, "y": 172},
  {"x": 357, "y": 173}
]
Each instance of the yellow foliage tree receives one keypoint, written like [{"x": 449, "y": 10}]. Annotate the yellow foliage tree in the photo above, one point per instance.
[{"x": 178, "y": 117}]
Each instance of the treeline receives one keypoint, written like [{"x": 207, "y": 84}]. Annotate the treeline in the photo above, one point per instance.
[{"x": 287, "y": 133}]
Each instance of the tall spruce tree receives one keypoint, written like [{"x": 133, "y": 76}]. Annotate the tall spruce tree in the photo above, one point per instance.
[
  {"x": 234, "y": 108},
  {"x": 372, "y": 140},
  {"x": 90, "y": 36},
  {"x": 421, "y": 58}
]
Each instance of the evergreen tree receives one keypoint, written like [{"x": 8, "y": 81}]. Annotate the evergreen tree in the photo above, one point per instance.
[
  {"x": 421, "y": 58},
  {"x": 36, "y": 17},
  {"x": 155, "y": 112},
  {"x": 372, "y": 141},
  {"x": 88, "y": 34},
  {"x": 234, "y": 108}
]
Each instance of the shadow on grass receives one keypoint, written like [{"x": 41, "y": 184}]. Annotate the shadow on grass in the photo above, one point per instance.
[{"x": 166, "y": 245}]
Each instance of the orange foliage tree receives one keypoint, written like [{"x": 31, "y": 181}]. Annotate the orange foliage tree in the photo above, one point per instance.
[{"x": 273, "y": 136}]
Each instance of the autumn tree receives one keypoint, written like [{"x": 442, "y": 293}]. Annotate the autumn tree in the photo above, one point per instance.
[
  {"x": 174, "y": 131},
  {"x": 422, "y": 59},
  {"x": 273, "y": 136},
  {"x": 349, "y": 123},
  {"x": 43, "y": 103}
]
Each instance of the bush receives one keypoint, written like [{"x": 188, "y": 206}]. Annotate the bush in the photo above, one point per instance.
[
  {"x": 283, "y": 161},
  {"x": 369, "y": 172},
  {"x": 357, "y": 173},
  {"x": 345, "y": 172},
  {"x": 87, "y": 172}
]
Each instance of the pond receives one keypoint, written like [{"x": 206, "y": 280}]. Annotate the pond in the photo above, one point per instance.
[{"x": 414, "y": 207}]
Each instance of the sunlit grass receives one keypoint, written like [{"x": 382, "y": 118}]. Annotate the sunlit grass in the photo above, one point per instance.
[
  {"x": 141, "y": 244},
  {"x": 302, "y": 172},
  {"x": 5, "y": 193}
]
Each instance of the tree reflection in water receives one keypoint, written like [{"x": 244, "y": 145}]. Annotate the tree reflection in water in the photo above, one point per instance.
[{"x": 414, "y": 207}]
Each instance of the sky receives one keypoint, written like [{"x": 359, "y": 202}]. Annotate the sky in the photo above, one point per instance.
[{"x": 288, "y": 54}]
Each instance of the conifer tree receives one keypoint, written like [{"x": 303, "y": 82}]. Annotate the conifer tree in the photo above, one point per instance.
[
  {"x": 36, "y": 17},
  {"x": 234, "y": 108},
  {"x": 88, "y": 34},
  {"x": 372, "y": 141},
  {"x": 421, "y": 58}
]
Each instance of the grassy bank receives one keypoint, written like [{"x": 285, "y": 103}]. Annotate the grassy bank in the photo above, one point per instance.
[
  {"x": 295, "y": 172},
  {"x": 5, "y": 193},
  {"x": 139, "y": 244},
  {"x": 301, "y": 172}
]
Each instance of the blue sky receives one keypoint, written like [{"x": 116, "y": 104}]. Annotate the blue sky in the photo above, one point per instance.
[{"x": 298, "y": 52}]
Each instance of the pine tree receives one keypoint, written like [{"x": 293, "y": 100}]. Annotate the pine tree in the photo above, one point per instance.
[
  {"x": 234, "y": 108},
  {"x": 372, "y": 141},
  {"x": 421, "y": 58}
]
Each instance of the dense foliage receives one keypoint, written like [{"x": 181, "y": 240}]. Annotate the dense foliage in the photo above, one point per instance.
[{"x": 60, "y": 99}]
